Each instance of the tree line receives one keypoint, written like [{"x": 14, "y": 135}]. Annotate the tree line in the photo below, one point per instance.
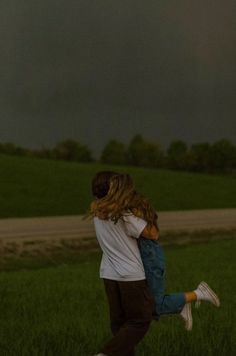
[{"x": 219, "y": 156}]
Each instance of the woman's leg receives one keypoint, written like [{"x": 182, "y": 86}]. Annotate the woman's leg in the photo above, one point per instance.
[
  {"x": 154, "y": 264},
  {"x": 165, "y": 303}
]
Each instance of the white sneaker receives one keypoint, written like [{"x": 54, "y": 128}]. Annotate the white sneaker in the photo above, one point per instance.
[
  {"x": 100, "y": 355},
  {"x": 204, "y": 292},
  {"x": 186, "y": 315}
]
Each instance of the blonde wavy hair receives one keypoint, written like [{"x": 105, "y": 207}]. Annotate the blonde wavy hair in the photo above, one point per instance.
[{"x": 122, "y": 199}]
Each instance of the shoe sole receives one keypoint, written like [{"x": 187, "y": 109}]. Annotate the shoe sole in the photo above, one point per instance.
[
  {"x": 189, "y": 321},
  {"x": 205, "y": 286}
]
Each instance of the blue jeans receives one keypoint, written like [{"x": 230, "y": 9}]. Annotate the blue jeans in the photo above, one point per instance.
[{"x": 154, "y": 265}]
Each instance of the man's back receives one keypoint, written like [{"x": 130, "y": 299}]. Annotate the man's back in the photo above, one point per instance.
[{"x": 121, "y": 259}]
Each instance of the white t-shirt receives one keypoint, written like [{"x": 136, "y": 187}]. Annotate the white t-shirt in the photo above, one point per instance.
[{"x": 121, "y": 260}]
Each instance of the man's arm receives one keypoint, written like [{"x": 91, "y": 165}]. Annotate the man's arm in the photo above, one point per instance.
[{"x": 151, "y": 233}]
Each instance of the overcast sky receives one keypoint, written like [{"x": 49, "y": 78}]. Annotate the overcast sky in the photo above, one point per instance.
[{"x": 96, "y": 70}]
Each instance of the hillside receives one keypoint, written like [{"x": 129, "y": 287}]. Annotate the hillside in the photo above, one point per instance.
[{"x": 34, "y": 187}]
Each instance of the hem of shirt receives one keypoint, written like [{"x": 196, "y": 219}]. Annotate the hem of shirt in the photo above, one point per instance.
[{"x": 123, "y": 279}]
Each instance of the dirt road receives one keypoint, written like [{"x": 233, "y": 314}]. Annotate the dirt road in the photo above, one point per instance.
[
  {"x": 48, "y": 235},
  {"x": 76, "y": 227}
]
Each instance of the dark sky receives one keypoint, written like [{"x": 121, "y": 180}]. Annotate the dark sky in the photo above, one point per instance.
[{"x": 93, "y": 70}]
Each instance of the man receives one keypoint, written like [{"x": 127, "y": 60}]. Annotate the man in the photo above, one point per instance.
[{"x": 130, "y": 302}]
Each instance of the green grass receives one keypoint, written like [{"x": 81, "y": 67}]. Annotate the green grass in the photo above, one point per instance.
[
  {"x": 36, "y": 187},
  {"x": 62, "y": 310}
]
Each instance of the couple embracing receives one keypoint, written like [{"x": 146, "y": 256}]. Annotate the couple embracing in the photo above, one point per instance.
[{"x": 133, "y": 264}]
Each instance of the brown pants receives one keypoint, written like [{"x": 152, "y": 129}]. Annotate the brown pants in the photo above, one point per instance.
[{"x": 131, "y": 306}]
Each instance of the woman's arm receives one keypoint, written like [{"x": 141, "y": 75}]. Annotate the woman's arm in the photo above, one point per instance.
[{"x": 151, "y": 233}]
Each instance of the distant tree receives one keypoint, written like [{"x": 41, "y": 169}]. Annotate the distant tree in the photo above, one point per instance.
[
  {"x": 199, "y": 157},
  {"x": 144, "y": 153},
  {"x": 114, "y": 153},
  {"x": 223, "y": 156},
  {"x": 42, "y": 153},
  {"x": 135, "y": 151},
  {"x": 70, "y": 150},
  {"x": 177, "y": 155},
  {"x": 154, "y": 155},
  {"x": 12, "y": 149}
]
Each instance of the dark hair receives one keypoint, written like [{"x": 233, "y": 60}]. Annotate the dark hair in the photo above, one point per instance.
[{"x": 100, "y": 183}]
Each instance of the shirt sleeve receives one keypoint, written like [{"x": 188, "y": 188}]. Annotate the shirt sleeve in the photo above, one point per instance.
[{"x": 134, "y": 225}]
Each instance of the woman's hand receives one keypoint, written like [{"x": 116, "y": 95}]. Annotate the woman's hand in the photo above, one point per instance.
[{"x": 151, "y": 233}]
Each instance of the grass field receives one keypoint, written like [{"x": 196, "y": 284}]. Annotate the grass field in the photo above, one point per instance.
[
  {"x": 36, "y": 187},
  {"x": 62, "y": 310}
]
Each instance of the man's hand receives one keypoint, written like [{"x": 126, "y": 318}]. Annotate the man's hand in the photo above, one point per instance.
[{"x": 151, "y": 233}]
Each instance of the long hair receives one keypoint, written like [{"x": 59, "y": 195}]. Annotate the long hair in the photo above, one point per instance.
[{"x": 122, "y": 199}]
